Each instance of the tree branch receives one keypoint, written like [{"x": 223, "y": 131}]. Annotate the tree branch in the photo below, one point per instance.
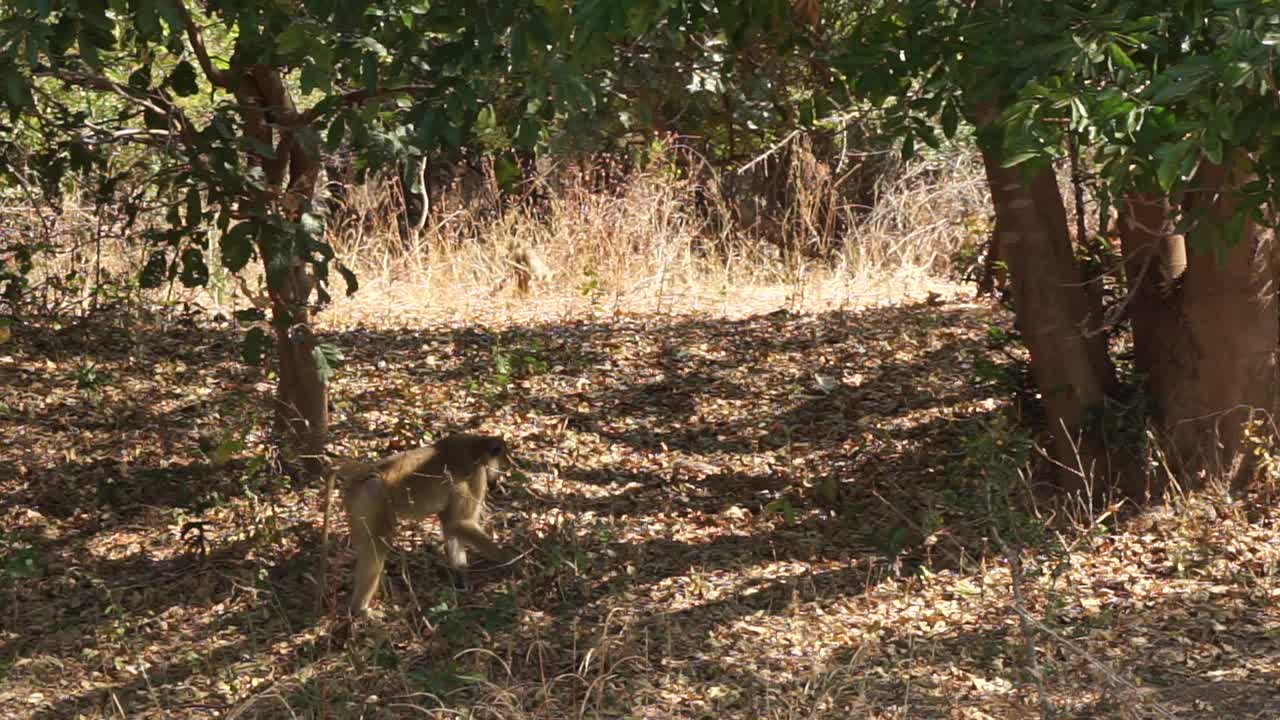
[
  {"x": 220, "y": 78},
  {"x": 360, "y": 97}
]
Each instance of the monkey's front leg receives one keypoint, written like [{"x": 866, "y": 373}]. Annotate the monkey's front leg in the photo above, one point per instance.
[{"x": 469, "y": 532}]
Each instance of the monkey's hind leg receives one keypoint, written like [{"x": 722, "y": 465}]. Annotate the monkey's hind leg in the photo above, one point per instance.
[{"x": 371, "y": 527}]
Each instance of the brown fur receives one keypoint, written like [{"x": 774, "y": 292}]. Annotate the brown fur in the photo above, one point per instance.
[
  {"x": 448, "y": 479},
  {"x": 528, "y": 265}
]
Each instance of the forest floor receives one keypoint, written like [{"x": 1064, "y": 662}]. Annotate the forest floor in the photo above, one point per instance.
[{"x": 749, "y": 503}]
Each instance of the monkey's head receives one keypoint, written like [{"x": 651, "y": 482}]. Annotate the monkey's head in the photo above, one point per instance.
[
  {"x": 497, "y": 452},
  {"x": 489, "y": 450}
]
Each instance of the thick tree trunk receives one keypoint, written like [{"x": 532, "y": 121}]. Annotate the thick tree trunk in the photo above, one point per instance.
[
  {"x": 1220, "y": 369},
  {"x": 1070, "y": 365},
  {"x": 1154, "y": 261}
]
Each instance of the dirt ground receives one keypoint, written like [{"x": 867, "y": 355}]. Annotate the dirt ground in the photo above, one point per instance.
[{"x": 736, "y": 504}]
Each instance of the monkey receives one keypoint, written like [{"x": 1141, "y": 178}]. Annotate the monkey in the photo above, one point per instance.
[
  {"x": 528, "y": 265},
  {"x": 448, "y": 479}
]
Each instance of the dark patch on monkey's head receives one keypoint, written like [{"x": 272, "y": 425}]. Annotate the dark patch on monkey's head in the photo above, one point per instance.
[{"x": 496, "y": 447}]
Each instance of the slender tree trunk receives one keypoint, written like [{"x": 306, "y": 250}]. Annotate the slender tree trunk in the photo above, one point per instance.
[
  {"x": 302, "y": 403},
  {"x": 1070, "y": 366}
]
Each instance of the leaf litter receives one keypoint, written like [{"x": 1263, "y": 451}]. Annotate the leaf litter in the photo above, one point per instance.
[{"x": 738, "y": 509}]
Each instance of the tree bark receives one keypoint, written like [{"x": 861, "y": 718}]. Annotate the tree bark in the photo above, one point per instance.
[
  {"x": 302, "y": 403},
  {"x": 1070, "y": 367},
  {"x": 1220, "y": 371},
  {"x": 1154, "y": 261}
]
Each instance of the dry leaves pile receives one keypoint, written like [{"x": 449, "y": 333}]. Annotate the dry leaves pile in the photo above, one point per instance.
[{"x": 758, "y": 513}]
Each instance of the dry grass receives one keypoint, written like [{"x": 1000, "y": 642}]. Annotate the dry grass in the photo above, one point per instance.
[
  {"x": 671, "y": 235},
  {"x": 651, "y": 243}
]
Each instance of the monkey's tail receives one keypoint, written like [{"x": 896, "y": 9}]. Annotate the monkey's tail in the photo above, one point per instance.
[{"x": 322, "y": 574}]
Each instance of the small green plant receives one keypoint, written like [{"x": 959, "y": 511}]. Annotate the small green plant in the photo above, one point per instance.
[
  {"x": 442, "y": 681},
  {"x": 454, "y": 622},
  {"x": 782, "y": 506},
  {"x": 591, "y": 287},
  {"x": 509, "y": 366},
  {"x": 995, "y": 455},
  {"x": 560, "y": 556},
  {"x": 90, "y": 380},
  {"x": 21, "y": 564}
]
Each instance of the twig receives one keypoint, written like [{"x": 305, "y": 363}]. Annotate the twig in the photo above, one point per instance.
[
  {"x": 765, "y": 155},
  {"x": 1047, "y": 709}
]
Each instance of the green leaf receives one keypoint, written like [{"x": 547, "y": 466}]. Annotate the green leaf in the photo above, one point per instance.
[
  {"x": 22, "y": 564},
  {"x": 146, "y": 19},
  {"x": 506, "y": 172},
  {"x": 929, "y": 137},
  {"x": 226, "y": 450},
  {"x": 1120, "y": 58},
  {"x": 140, "y": 79},
  {"x": 337, "y": 128},
  {"x": 1171, "y": 157},
  {"x": 377, "y": 49},
  {"x": 369, "y": 72},
  {"x": 88, "y": 49},
  {"x": 350, "y": 279},
  {"x": 195, "y": 215},
  {"x": 1017, "y": 159},
  {"x": 782, "y": 506},
  {"x": 316, "y": 76},
  {"x": 1212, "y": 148},
  {"x": 527, "y": 132},
  {"x": 294, "y": 39},
  {"x": 236, "y": 247},
  {"x": 1234, "y": 230},
  {"x": 154, "y": 272},
  {"x": 254, "y": 347},
  {"x": 1180, "y": 81},
  {"x": 194, "y": 271},
  {"x": 328, "y": 357},
  {"x": 17, "y": 91},
  {"x": 909, "y": 146},
  {"x": 950, "y": 120},
  {"x": 183, "y": 80},
  {"x": 249, "y": 316},
  {"x": 278, "y": 270}
]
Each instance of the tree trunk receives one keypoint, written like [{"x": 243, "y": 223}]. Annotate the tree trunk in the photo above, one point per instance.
[
  {"x": 1070, "y": 367},
  {"x": 302, "y": 395},
  {"x": 1154, "y": 260},
  {"x": 1220, "y": 369},
  {"x": 302, "y": 402}
]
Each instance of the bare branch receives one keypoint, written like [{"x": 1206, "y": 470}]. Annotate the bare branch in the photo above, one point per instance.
[{"x": 361, "y": 97}]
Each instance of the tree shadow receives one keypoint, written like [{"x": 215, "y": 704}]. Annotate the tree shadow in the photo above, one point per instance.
[{"x": 709, "y": 416}]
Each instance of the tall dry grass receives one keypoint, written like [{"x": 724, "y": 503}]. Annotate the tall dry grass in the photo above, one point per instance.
[
  {"x": 678, "y": 226},
  {"x": 673, "y": 227}
]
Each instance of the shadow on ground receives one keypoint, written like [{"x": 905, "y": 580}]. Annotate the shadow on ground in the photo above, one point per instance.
[{"x": 687, "y": 475}]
